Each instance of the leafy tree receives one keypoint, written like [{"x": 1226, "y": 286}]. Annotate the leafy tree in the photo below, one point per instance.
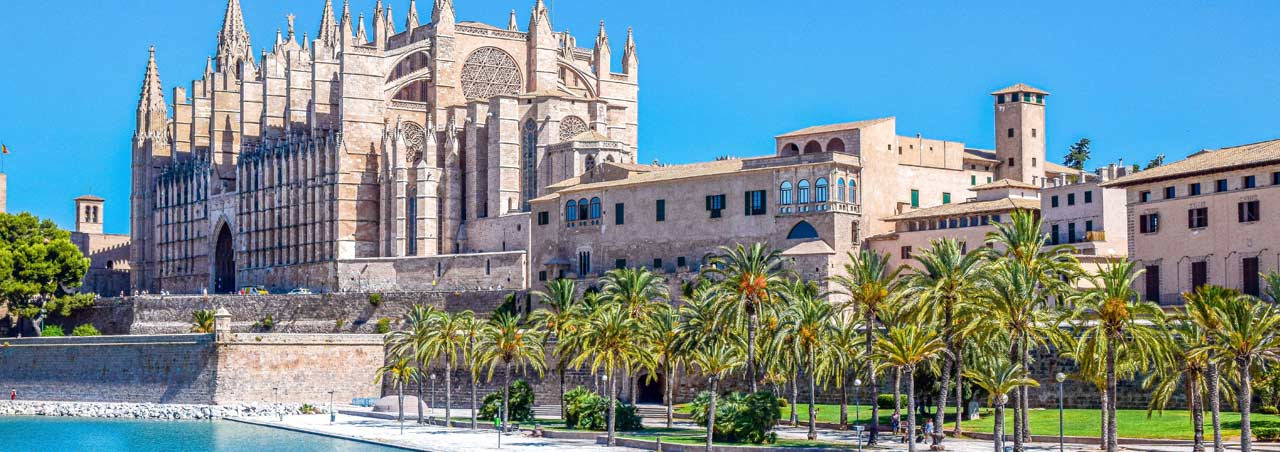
[
  {"x": 504, "y": 341},
  {"x": 715, "y": 360},
  {"x": 1250, "y": 335},
  {"x": 1157, "y": 161},
  {"x": 999, "y": 376},
  {"x": 611, "y": 340},
  {"x": 470, "y": 329},
  {"x": 556, "y": 317},
  {"x": 660, "y": 333},
  {"x": 842, "y": 352},
  {"x": 38, "y": 268},
  {"x": 1178, "y": 367},
  {"x": 402, "y": 372},
  {"x": 808, "y": 321},
  {"x": 521, "y": 402},
  {"x": 411, "y": 343},
  {"x": 1203, "y": 308},
  {"x": 52, "y": 331},
  {"x": 445, "y": 344},
  {"x": 86, "y": 329},
  {"x": 909, "y": 347},
  {"x": 1077, "y": 154}
]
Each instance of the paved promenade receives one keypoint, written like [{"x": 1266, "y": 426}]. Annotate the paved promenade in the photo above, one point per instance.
[{"x": 424, "y": 437}]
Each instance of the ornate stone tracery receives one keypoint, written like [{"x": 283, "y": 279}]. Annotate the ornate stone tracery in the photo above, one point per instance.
[
  {"x": 488, "y": 72},
  {"x": 571, "y": 126},
  {"x": 414, "y": 137}
]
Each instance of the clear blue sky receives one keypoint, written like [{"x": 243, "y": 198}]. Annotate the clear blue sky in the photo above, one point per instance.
[{"x": 717, "y": 76}]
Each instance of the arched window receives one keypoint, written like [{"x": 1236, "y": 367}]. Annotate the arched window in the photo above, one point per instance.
[
  {"x": 790, "y": 149},
  {"x": 821, "y": 192},
  {"x": 812, "y": 147},
  {"x": 785, "y": 192},
  {"x": 840, "y": 189},
  {"x": 529, "y": 161},
  {"x": 595, "y": 208},
  {"x": 583, "y": 209},
  {"x": 802, "y": 230},
  {"x": 591, "y": 163},
  {"x": 853, "y": 191},
  {"x": 835, "y": 145},
  {"x": 571, "y": 210},
  {"x": 802, "y": 191}
]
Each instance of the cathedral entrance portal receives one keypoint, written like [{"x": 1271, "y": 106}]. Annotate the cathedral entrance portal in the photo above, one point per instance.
[{"x": 224, "y": 263}]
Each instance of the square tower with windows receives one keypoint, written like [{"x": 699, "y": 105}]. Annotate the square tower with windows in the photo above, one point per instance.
[
  {"x": 1020, "y": 133},
  {"x": 89, "y": 214}
]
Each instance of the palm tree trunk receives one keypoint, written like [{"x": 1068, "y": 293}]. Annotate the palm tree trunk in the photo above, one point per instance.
[
  {"x": 998, "y": 436},
  {"x": 560, "y": 370},
  {"x": 959, "y": 389},
  {"x": 421, "y": 404},
  {"x": 844, "y": 406},
  {"x": 475, "y": 400},
  {"x": 1017, "y": 402},
  {"x": 1025, "y": 400},
  {"x": 711, "y": 415},
  {"x": 1246, "y": 394},
  {"x": 635, "y": 389},
  {"x": 506, "y": 397},
  {"x": 869, "y": 324},
  {"x": 1113, "y": 440},
  {"x": 897, "y": 395},
  {"x": 940, "y": 416},
  {"x": 400, "y": 399},
  {"x": 613, "y": 408},
  {"x": 795, "y": 397},
  {"x": 1106, "y": 424},
  {"x": 911, "y": 411},
  {"x": 448, "y": 392},
  {"x": 813, "y": 394},
  {"x": 666, "y": 389},
  {"x": 1192, "y": 386},
  {"x": 1215, "y": 409},
  {"x": 751, "y": 351}
]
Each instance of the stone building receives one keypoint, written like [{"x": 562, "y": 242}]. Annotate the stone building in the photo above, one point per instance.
[
  {"x": 1207, "y": 219},
  {"x": 822, "y": 193},
  {"x": 108, "y": 254},
  {"x": 365, "y": 158}
]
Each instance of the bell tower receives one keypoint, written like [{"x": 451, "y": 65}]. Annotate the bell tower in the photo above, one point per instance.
[
  {"x": 1020, "y": 144},
  {"x": 89, "y": 214}
]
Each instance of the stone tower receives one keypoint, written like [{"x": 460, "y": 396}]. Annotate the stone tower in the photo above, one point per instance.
[
  {"x": 1020, "y": 133},
  {"x": 89, "y": 214}
]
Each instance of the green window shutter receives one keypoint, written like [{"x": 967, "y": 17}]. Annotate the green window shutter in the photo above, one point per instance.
[
  {"x": 915, "y": 198},
  {"x": 619, "y": 214}
]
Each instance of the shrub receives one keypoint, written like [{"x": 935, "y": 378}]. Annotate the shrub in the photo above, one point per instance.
[
  {"x": 586, "y": 410},
  {"x": 520, "y": 402},
  {"x": 384, "y": 325},
  {"x": 740, "y": 417},
  {"x": 202, "y": 321},
  {"x": 1267, "y": 433},
  {"x": 1268, "y": 409},
  {"x": 308, "y": 408},
  {"x": 375, "y": 299},
  {"x": 52, "y": 331},
  {"x": 885, "y": 401},
  {"x": 85, "y": 330},
  {"x": 266, "y": 323}
]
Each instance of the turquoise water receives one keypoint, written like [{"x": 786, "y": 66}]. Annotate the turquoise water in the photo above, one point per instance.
[{"x": 110, "y": 435}]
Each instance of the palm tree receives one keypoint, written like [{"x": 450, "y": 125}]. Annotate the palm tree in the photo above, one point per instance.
[
  {"x": 660, "y": 333},
  {"x": 1023, "y": 243},
  {"x": 1203, "y": 307},
  {"x": 505, "y": 341},
  {"x": 908, "y": 347},
  {"x": 413, "y": 342},
  {"x": 1179, "y": 367},
  {"x": 470, "y": 330},
  {"x": 751, "y": 276},
  {"x": 841, "y": 352},
  {"x": 947, "y": 280},
  {"x": 809, "y": 323},
  {"x": 557, "y": 318},
  {"x": 443, "y": 338},
  {"x": 202, "y": 321},
  {"x": 402, "y": 372},
  {"x": 612, "y": 341},
  {"x": 641, "y": 292},
  {"x": 1250, "y": 335},
  {"x": 716, "y": 359},
  {"x": 998, "y": 376},
  {"x": 1009, "y": 307},
  {"x": 1118, "y": 318},
  {"x": 869, "y": 283}
]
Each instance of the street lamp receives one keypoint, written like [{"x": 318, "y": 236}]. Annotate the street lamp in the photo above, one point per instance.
[
  {"x": 1060, "y": 377},
  {"x": 1004, "y": 398},
  {"x": 857, "y": 407},
  {"x": 332, "y": 414},
  {"x": 276, "y": 394}
]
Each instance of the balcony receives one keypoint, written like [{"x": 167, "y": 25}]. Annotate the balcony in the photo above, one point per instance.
[{"x": 819, "y": 207}]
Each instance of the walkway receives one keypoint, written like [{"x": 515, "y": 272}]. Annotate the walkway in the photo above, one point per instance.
[{"x": 424, "y": 437}]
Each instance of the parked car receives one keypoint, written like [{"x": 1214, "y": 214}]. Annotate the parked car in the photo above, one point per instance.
[
  {"x": 300, "y": 291},
  {"x": 253, "y": 290}
]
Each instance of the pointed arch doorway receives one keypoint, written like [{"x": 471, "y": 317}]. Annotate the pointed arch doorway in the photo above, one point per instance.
[{"x": 224, "y": 262}]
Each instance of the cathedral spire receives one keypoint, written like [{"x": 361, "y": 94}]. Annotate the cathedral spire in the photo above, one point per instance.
[
  {"x": 442, "y": 12},
  {"x": 233, "y": 40},
  {"x": 411, "y": 21},
  {"x": 511, "y": 22},
  {"x": 279, "y": 38},
  {"x": 379, "y": 26},
  {"x": 344, "y": 26},
  {"x": 152, "y": 112},
  {"x": 539, "y": 18},
  {"x": 391, "y": 23},
  {"x": 630, "y": 61},
  {"x": 328, "y": 33},
  {"x": 208, "y": 65},
  {"x": 362, "y": 36},
  {"x": 602, "y": 37},
  {"x": 290, "y": 18}
]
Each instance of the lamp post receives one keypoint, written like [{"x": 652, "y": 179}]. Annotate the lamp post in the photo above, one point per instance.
[
  {"x": 1060, "y": 377},
  {"x": 276, "y": 394},
  {"x": 857, "y": 407},
  {"x": 332, "y": 414},
  {"x": 1004, "y": 398}
]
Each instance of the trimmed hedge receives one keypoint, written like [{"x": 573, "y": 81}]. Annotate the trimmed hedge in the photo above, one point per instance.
[
  {"x": 586, "y": 410},
  {"x": 740, "y": 417},
  {"x": 85, "y": 330},
  {"x": 885, "y": 401}
]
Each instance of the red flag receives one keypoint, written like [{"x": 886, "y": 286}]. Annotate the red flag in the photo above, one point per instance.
[{"x": 4, "y": 149}]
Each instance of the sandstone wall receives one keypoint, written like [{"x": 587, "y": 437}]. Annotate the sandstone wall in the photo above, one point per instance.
[
  {"x": 297, "y": 367},
  {"x": 481, "y": 271}
]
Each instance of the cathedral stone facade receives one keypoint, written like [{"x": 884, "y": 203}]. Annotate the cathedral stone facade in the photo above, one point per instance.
[{"x": 377, "y": 158}]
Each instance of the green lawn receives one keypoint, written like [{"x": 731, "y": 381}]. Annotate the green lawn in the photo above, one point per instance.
[
  {"x": 1173, "y": 424},
  {"x": 701, "y": 438},
  {"x": 831, "y": 413}
]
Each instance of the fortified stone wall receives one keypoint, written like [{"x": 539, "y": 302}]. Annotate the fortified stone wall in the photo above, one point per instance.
[
  {"x": 481, "y": 271},
  {"x": 193, "y": 368},
  {"x": 319, "y": 313}
]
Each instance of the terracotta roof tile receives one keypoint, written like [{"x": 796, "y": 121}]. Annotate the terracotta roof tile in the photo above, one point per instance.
[
  {"x": 1243, "y": 156},
  {"x": 1003, "y": 183},
  {"x": 1020, "y": 88},
  {"x": 834, "y": 127},
  {"x": 968, "y": 208}
]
